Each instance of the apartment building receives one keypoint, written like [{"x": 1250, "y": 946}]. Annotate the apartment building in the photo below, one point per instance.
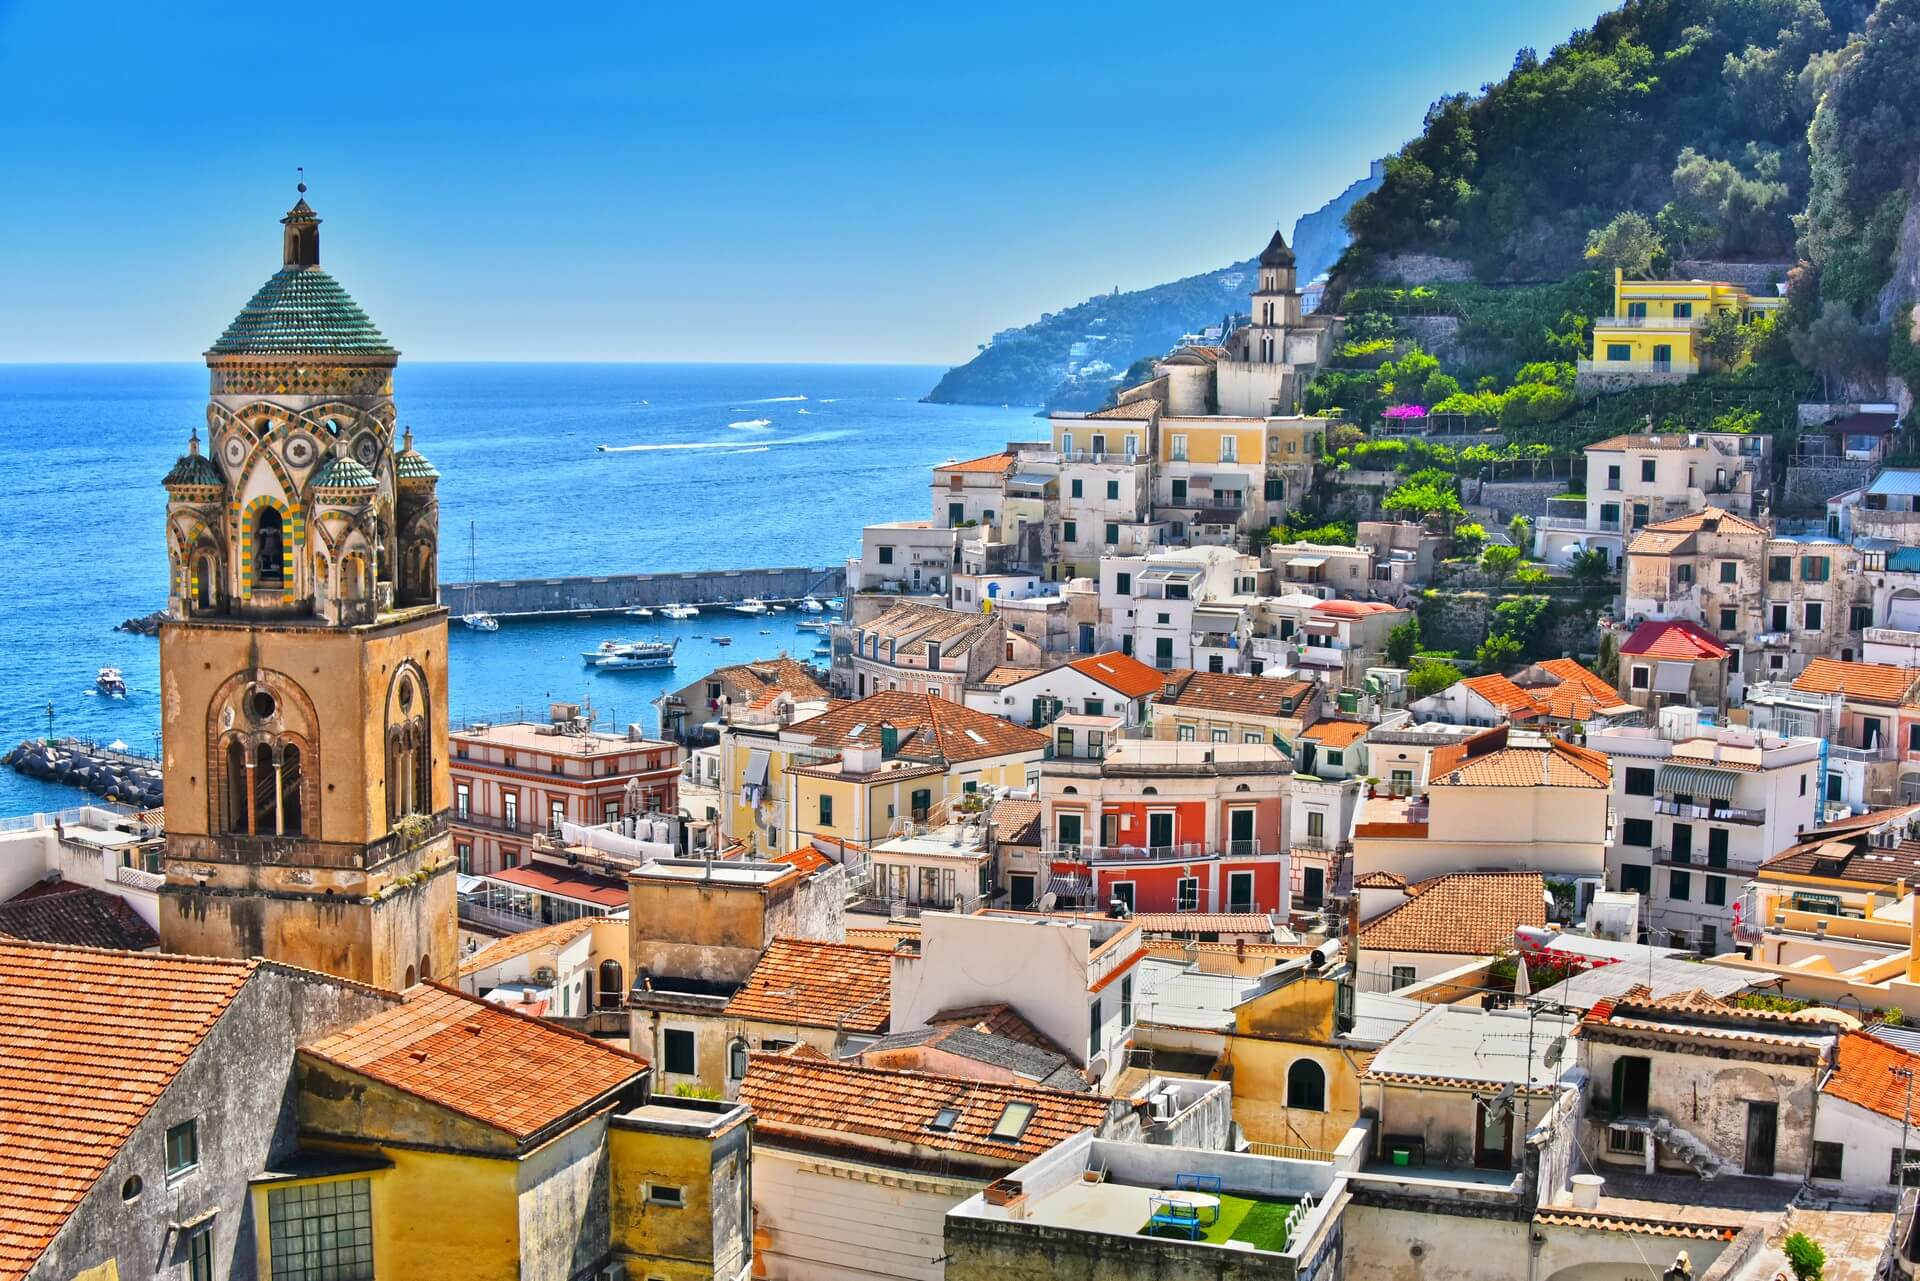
[
  {"x": 513, "y": 782},
  {"x": 1869, "y": 716},
  {"x": 1218, "y": 707},
  {"x": 1639, "y": 480},
  {"x": 972, "y": 493},
  {"x": 920, "y": 648},
  {"x": 1888, "y": 507},
  {"x": 1180, "y": 607},
  {"x": 1666, "y": 663},
  {"x": 1697, "y": 811},
  {"x": 1097, "y": 685},
  {"x": 1105, "y": 494},
  {"x": 692, "y": 715},
  {"x": 905, "y": 557},
  {"x": 1655, "y": 327}
]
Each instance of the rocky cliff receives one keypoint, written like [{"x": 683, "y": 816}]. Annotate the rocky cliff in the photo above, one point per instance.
[{"x": 1320, "y": 237}]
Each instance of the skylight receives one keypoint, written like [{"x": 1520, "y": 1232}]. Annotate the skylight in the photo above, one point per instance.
[
  {"x": 856, "y": 730},
  {"x": 1012, "y": 1123},
  {"x": 975, "y": 737},
  {"x": 944, "y": 1120}
]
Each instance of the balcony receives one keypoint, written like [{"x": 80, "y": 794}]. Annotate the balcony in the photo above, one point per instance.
[
  {"x": 492, "y": 823},
  {"x": 1710, "y": 813},
  {"x": 1881, "y": 751},
  {"x": 1648, "y": 322},
  {"x": 1697, "y": 861},
  {"x": 1648, "y": 367}
]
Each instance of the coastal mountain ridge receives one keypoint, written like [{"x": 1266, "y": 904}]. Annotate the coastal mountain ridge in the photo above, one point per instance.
[{"x": 1069, "y": 359}]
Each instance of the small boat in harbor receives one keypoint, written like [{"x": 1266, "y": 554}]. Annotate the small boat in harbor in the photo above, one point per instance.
[
  {"x": 813, "y": 625},
  {"x": 808, "y": 605},
  {"x": 478, "y": 620},
  {"x": 111, "y": 683},
  {"x": 721, "y": 640},
  {"x": 679, "y": 613},
  {"x": 639, "y": 611},
  {"x": 822, "y": 650},
  {"x": 750, "y": 606}
]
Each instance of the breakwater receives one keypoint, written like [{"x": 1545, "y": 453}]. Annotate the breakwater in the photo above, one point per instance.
[
  {"x": 613, "y": 593},
  {"x": 78, "y": 762}
]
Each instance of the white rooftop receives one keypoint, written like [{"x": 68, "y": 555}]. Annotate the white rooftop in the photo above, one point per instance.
[{"x": 1466, "y": 1043}]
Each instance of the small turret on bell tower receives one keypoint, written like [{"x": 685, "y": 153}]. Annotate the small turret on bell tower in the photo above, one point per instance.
[{"x": 300, "y": 245}]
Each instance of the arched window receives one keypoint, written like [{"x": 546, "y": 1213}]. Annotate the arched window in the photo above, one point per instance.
[
  {"x": 409, "y": 758},
  {"x": 409, "y": 976},
  {"x": 1307, "y": 1086},
  {"x": 237, "y": 787},
  {"x": 269, "y": 550},
  {"x": 206, "y": 584},
  {"x": 737, "y": 1059},
  {"x": 613, "y": 989},
  {"x": 267, "y": 819},
  {"x": 426, "y": 967},
  {"x": 290, "y": 816}
]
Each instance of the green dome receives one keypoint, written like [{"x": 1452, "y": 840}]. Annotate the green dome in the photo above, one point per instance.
[
  {"x": 342, "y": 472},
  {"x": 302, "y": 311},
  {"x": 194, "y": 469},
  {"x": 411, "y": 464}
]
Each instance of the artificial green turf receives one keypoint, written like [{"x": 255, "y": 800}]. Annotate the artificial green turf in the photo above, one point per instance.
[{"x": 1261, "y": 1224}]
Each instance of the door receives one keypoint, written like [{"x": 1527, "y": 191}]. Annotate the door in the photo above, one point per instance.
[
  {"x": 1493, "y": 1138},
  {"x": 1313, "y": 886},
  {"x": 1163, "y": 652},
  {"x": 1240, "y": 831},
  {"x": 1021, "y": 886},
  {"x": 1068, "y": 825},
  {"x": 1123, "y": 892},
  {"x": 1632, "y": 1076},
  {"x": 1240, "y": 892},
  {"x": 1763, "y": 1124},
  {"x": 1109, "y": 829},
  {"x": 1662, "y": 357},
  {"x": 1160, "y": 830}
]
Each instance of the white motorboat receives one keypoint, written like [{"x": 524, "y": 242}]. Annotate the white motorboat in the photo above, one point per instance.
[
  {"x": 750, "y": 606},
  {"x": 111, "y": 683},
  {"x": 813, "y": 625},
  {"x": 640, "y": 611},
  {"x": 776, "y": 609},
  {"x": 679, "y": 613},
  {"x": 808, "y": 605},
  {"x": 822, "y": 651},
  {"x": 836, "y": 602},
  {"x": 478, "y": 620},
  {"x": 621, "y": 656}
]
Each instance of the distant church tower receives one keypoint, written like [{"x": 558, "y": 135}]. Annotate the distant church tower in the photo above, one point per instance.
[
  {"x": 1276, "y": 304},
  {"x": 303, "y": 664}
]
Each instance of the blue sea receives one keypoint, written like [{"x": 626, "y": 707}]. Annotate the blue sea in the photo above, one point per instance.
[{"x": 706, "y": 467}]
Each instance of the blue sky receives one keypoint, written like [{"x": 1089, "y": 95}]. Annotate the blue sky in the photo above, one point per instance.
[{"x": 686, "y": 182}]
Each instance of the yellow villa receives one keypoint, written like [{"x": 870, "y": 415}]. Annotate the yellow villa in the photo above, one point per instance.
[{"x": 1655, "y": 325}]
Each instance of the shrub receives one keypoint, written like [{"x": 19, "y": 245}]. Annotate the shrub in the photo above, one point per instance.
[
  {"x": 1430, "y": 676},
  {"x": 1806, "y": 1258},
  {"x": 1404, "y": 641},
  {"x": 1497, "y": 653},
  {"x": 1499, "y": 562}
]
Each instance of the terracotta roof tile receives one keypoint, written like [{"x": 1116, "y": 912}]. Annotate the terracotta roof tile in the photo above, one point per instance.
[
  {"x": 1503, "y": 694},
  {"x": 806, "y": 858},
  {"x": 1594, "y": 1221},
  {"x": 990, "y": 463},
  {"x": 1580, "y": 694},
  {"x": 1204, "y": 923},
  {"x": 996, "y": 1018},
  {"x": 1005, "y": 675},
  {"x": 505, "y": 1070},
  {"x": 910, "y": 621},
  {"x": 1672, "y": 638},
  {"x": 1119, "y": 672},
  {"x": 929, "y": 728},
  {"x": 1137, "y": 410},
  {"x": 500, "y": 951},
  {"x": 1381, "y": 881},
  {"x": 1461, "y": 914},
  {"x": 89, "y": 1040},
  {"x": 1230, "y": 692},
  {"x": 818, "y": 984},
  {"x": 78, "y": 915},
  {"x": 813, "y": 1098},
  {"x": 1017, "y": 822},
  {"x": 1863, "y": 1073},
  {"x": 1862, "y": 682},
  {"x": 1336, "y": 734},
  {"x": 882, "y": 937},
  {"x": 1494, "y": 759}
]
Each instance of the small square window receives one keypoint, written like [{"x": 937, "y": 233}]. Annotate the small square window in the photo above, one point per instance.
[
  {"x": 1828, "y": 1158},
  {"x": 677, "y": 1050},
  {"x": 183, "y": 1148},
  {"x": 1729, "y": 571},
  {"x": 944, "y": 1120},
  {"x": 1402, "y": 976},
  {"x": 665, "y": 1194},
  {"x": 1012, "y": 1123}
]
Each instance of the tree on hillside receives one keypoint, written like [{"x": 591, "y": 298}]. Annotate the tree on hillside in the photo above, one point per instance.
[
  {"x": 1588, "y": 567},
  {"x": 1498, "y": 562},
  {"x": 1838, "y": 347},
  {"x": 1430, "y": 676},
  {"x": 1403, "y": 640},
  {"x": 1629, "y": 243},
  {"x": 1497, "y": 653},
  {"x": 1725, "y": 338}
]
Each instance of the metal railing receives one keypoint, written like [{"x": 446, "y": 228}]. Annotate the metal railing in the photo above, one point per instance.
[
  {"x": 1697, "y": 860},
  {"x": 1648, "y": 322},
  {"x": 1586, "y": 366},
  {"x": 1709, "y": 813},
  {"x": 1288, "y": 1152},
  {"x": 513, "y": 827},
  {"x": 1881, "y": 751}
]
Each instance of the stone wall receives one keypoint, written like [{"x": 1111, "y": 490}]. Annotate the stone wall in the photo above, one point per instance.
[
  {"x": 1809, "y": 485},
  {"x": 1755, "y": 277},
  {"x": 1440, "y": 336},
  {"x": 1512, "y": 497},
  {"x": 1420, "y": 269},
  {"x": 1587, "y": 383},
  {"x": 614, "y": 592}
]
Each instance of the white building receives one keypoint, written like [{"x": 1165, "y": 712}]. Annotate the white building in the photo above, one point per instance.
[{"x": 1098, "y": 685}]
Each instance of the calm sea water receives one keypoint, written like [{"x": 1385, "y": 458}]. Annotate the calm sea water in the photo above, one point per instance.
[{"x": 707, "y": 467}]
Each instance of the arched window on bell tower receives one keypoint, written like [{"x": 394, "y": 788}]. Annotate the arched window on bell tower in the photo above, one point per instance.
[{"x": 269, "y": 550}]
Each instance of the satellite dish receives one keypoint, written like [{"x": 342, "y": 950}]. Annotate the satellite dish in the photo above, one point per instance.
[{"x": 1047, "y": 901}]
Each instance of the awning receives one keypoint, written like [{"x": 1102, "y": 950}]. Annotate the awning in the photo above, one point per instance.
[
  {"x": 1030, "y": 480},
  {"x": 1200, "y": 482},
  {"x": 1696, "y": 780},
  {"x": 756, "y": 768},
  {"x": 1229, "y": 480},
  {"x": 1320, "y": 626},
  {"x": 1307, "y": 562},
  {"x": 1672, "y": 678}
]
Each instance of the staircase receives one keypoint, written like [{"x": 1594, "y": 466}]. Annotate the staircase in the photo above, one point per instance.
[{"x": 1689, "y": 1147}]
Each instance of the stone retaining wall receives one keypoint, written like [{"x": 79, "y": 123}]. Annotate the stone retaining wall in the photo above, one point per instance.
[{"x": 1420, "y": 269}]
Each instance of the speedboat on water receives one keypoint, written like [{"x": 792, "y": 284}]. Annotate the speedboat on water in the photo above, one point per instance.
[
  {"x": 640, "y": 611},
  {"x": 611, "y": 649},
  {"x": 679, "y": 613},
  {"x": 749, "y": 606},
  {"x": 813, "y": 625},
  {"x": 808, "y": 605},
  {"x": 111, "y": 682},
  {"x": 623, "y": 661}
]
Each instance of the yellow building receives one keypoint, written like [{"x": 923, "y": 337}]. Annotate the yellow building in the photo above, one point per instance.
[
  {"x": 1655, "y": 326},
  {"x": 303, "y": 662},
  {"x": 858, "y": 772},
  {"x": 445, "y": 1136}
]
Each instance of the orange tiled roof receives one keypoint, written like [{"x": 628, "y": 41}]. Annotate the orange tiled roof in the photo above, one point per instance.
[
  {"x": 503, "y": 950},
  {"x": 1863, "y": 1074},
  {"x": 1119, "y": 672},
  {"x": 814, "y": 1098},
  {"x": 1017, "y": 822},
  {"x": 929, "y": 728},
  {"x": 996, "y": 1018},
  {"x": 1580, "y": 693},
  {"x": 883, "y": 937},
  {"x": 1594, "y": 1221},
  {"x": 806, "y": 858},
  {"x": 1865, "y": 682},
  {"x": 1493, "y": 759},
  {"x": 990, "y": 463},
  {"x": 1138, "y": 410},
  {"x": 89, "y": 1040},
  {"x": 1504, "y": 695},
  {"x": 1461, "y": 914},
  {"x": 1006, "y": 674},
  {"x": 1672, "y": 638},
  {"x": 1381, "y": 881},
  {"x": 1336, "y": 734},
  {"x": 818, "y": 984},
  {"x": 1231, "y": 692},
  {"x": 79, "y": 915},
  {"x": 516, "y": 1074}
]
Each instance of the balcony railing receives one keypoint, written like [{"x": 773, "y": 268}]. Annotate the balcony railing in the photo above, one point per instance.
[
  {"x": 492, "y": 823},
  {"x": 1709, "y": 813},
  {"x": 1585, "y": 366},
  {"x": 1881, "y": 751},
  {"x": 1698, "y": 861},
  {"x": 1648, "y": 322},
  {"x": 1085, "y": 853}
]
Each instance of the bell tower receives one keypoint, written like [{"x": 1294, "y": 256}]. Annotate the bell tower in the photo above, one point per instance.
[
  {"x": 1276, "y": 304},
  {"x": 303, "y": 662}
]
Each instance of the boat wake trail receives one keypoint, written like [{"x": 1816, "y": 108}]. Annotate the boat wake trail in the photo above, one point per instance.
[
  {"x": 753, "y": 424},
  {"x": 773, "y": 400},
  {"x": 812, "y": 438}
]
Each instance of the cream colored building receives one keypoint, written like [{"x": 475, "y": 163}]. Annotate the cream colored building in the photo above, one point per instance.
[{"x": 1645, "y": 479}]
